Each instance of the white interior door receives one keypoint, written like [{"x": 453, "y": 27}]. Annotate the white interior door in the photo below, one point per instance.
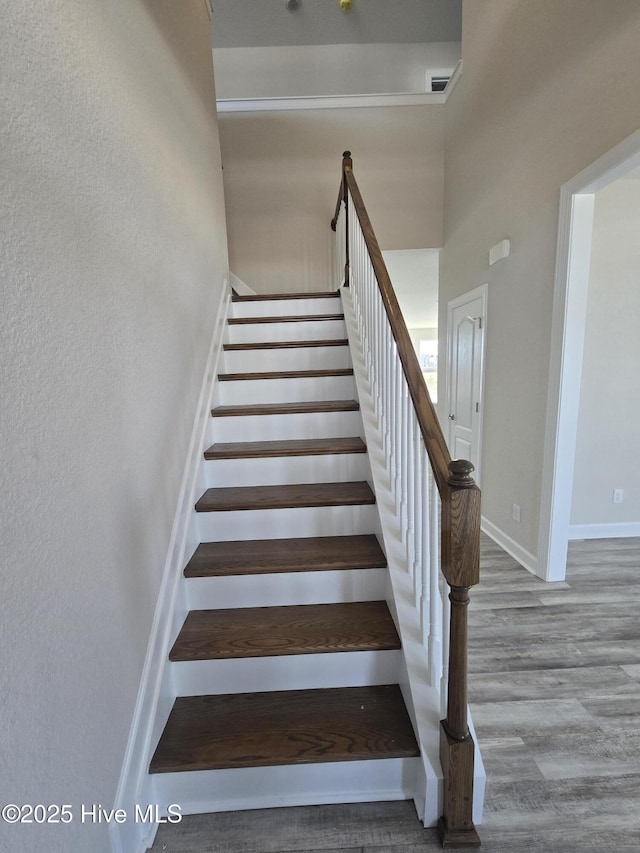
[{"x": 466, "y": 334}]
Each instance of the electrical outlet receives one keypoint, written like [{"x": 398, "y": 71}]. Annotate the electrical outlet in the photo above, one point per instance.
[
  {"x": 515, "y": 512},
  {"x": 618, "y": 496}
]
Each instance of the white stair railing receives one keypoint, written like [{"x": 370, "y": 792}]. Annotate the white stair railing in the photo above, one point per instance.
[{"x": 436, "y": 500}]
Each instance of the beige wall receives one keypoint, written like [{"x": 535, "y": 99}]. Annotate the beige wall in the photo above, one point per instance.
[
  {"x": 548, "y": 86},
  {"x": 609, "y": 414},
  {"x": 281, "y": 178},
  {"x": 112, "y": 264},
  {"x": 414, "y": 275}
]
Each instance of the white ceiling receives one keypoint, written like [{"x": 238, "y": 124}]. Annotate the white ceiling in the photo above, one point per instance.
[{"x": 268, "y": 23}]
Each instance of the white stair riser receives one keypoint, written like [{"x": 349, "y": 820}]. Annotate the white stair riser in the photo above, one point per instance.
[
  {"x": 288, "y": 358},
  {"x": 286, "y": 470},
  {"x": 286, "y": 523},
  {"x": 281, "y": 427},
  {"x": 288, "y": 785},
  {"x": 285, "y": 672},
  {"x": 287, "y": 307},
  {"x": 285, "y": 588},
  {"x": 308, "y": 389},
  {"x": 308, "y": 330}
]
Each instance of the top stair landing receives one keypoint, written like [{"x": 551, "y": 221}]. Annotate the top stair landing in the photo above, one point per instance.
[
  {"x": 286, "y": 304},
  {"x": 286, "y": 320}
]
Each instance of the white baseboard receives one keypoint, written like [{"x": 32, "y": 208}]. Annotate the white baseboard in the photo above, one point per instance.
[
  {"x": 524, "y": 557},
  {"x": 614, "y": 530},
  {"x": 130, "y": 836}
]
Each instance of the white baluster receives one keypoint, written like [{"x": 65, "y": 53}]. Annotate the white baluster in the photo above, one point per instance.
[
  {"x": 417, "y": 512},
  {"x": 370, "y": 281},
  {"x": 386, "y": 396},
  {"x": 426, "y": 568},
  {"x": 355, "y": 295},
  {"x": 363, "y": 301},
  {"x": 404, "y": 460},
  {"x": 389, "y": 396},
  {"x": 381, "y": 375},
  {"x": 375, "y": 391},
  {"x": 446, "y": 626},
  {"x": 410, "y": 488},
  {"x": 372, "y": 324},
  {"x": 398, "y": 434},
  {"x": 435, "y": 599},
  {"x": 392, "y": 409}
]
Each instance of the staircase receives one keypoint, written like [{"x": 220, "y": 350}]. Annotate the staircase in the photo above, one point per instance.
[{"x": 288, "y": 671}]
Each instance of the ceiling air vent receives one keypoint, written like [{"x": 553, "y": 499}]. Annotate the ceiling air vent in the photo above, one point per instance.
[{"x": 436, "y": 80}]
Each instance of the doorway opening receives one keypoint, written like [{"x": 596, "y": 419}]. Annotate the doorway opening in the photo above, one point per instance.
[
  {"x": 466, "y": 336},
  {"x": 575, "y": 233}
]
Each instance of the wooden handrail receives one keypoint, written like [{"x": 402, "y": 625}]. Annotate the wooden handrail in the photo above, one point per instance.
[
  {"x": 428, "y": 422},
  {"x": 460, "y": 536}
]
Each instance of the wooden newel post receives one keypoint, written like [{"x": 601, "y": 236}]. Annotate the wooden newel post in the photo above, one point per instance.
[
  {"x": 347, "y": 163},
  {"x": 343, "y": 198},
  {"x": 461, "y": 568}
]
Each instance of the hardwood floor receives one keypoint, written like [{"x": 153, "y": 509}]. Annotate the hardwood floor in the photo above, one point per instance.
[{"x": 555, "y": 696}]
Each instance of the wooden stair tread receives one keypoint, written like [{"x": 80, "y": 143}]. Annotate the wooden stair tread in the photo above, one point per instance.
[
  {"x": 266, "y": 297},
  {"x": 231, "y": 498},
  {"x": 328, "y": 342},
  {"x": 273, "y": 556},
  {"x": 290, "y": 447},
  {"x": 286, "y": 374},
  {"x": 288, "y": 318},
  {"x": 285, "y": 727},
  {"x": 302, "y": 408},
  {"x": 294, "y": 630}
]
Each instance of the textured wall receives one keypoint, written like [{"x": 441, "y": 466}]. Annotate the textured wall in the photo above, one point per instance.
[
  {"x": 548, "y": 87},
  {"x": 607, "y": 439},
  {"x": 113, "y": 257},
  {"x": 281, "y": 179}
]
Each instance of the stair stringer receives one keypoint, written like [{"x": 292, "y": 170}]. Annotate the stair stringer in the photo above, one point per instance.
[
  {"x": 422, "y": 701},
  {"x": 156, "y": 692},
  {"x": 240, "y": 286}
]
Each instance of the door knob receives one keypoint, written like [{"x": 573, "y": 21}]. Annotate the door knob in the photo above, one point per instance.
[{"x": 452, "y": 417}]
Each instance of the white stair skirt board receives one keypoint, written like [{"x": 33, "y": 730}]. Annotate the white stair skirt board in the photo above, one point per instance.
[
  {"x": 309, "y": 330},
  {"x": 154, "y": 696},
  {"x": 290, "y": 785},
  {"x": 286, "y": 358},
  {"x": 282, "y": 427},
  {"x": 238, "y": 285},
  {"x": 287, "y": 470},
  {"x": 616, "y": 530},
  {"x": 287, "y": 307},
  {"x": 309, "y": 389},
  {"x": 423, "y": 702},
  {"x": 286, "y": 523},
  {"x": 285, "y": 672},
  {"x": 285, "y": 588}
]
